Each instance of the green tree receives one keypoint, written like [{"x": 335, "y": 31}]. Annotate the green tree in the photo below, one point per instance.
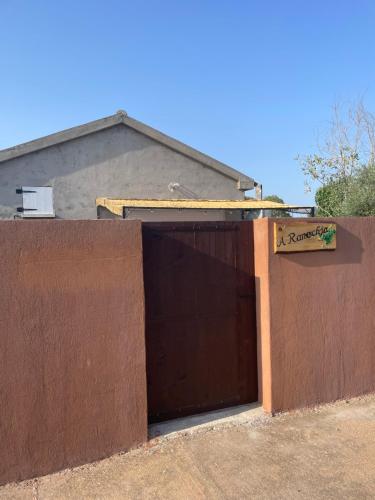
[
  {"x": 275, "y": 213},
  {"x": 256, "y": 213},
  {"x": 360, "y": 200},
  {"x": 330, "y": 198},
  {"x": 343, "y": 171}
]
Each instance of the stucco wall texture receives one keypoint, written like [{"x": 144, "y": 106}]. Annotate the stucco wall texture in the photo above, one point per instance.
[
  {"x": 118, "y": 162},
  {"x": 316, "y": 317},
  {"x": 72, "y": 354}
]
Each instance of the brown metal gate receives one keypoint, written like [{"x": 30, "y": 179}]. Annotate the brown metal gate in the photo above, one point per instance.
[{"x": 200, "y": 317}]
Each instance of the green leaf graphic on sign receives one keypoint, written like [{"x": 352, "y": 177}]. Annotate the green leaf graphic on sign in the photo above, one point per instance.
[{"x": 327, "y": 237}]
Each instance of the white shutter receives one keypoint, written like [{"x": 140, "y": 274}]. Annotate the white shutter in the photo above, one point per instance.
[{"x": 37, "y": 201}]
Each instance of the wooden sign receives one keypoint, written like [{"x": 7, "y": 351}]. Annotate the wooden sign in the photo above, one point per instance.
[{"x": 304, "y": 236}]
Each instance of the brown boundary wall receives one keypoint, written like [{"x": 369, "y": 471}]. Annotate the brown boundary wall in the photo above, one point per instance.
[
  {"x": 72, "y": 353},
  {"x": 316, "y": 317}
]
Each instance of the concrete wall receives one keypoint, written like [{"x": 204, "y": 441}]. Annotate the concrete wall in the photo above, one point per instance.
[
  {"x": 72, "y": 353},
  {"x": 117, "y": 163},
  {"x": 316, "y": 317}
]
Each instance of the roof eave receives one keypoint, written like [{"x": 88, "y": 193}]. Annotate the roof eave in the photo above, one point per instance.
[
  {"x": 244, "y": 182},
  {"x": 59, "y": 137},
  {"x": 186, "y": 150}
]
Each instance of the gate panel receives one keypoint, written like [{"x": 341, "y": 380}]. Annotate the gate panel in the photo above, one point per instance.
[{"x": 200, "y": 317}]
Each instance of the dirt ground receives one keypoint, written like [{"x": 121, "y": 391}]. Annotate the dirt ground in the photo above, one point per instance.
[{"x": 327, "y": 452}]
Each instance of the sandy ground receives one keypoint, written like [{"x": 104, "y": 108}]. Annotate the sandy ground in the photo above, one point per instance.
[{"x": 327, "y": 452}]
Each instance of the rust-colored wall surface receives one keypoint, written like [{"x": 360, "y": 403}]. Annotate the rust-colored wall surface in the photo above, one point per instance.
[
  {"x": 316, "y": 317},
  {"x": 261, "y": 270},
  {"x": 72, "y": 351}
]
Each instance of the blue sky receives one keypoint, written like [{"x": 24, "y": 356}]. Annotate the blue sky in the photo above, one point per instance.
[{"x": 250, "y": 83}]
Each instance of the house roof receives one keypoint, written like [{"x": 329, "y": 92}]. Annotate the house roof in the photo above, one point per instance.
[
  {"x": 121, "y": 117},
  {"x": 116, "y": 206}
]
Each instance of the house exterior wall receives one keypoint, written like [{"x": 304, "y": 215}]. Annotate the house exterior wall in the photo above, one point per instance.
[
  {"x": 316, "y": 321},
  {"x": 117, "y": 162},
  {"x": 72, "y": 344}
]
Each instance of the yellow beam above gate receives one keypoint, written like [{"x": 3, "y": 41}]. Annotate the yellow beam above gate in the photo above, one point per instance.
[{"x": 116, "y": 205}]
